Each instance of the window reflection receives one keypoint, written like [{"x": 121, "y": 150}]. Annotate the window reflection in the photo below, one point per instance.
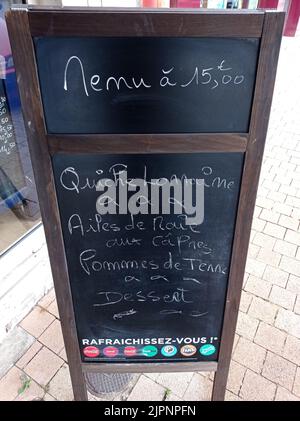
[{"x": 19, "y": 210}]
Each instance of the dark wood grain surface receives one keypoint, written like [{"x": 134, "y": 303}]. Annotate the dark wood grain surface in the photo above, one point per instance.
[
  {"x": 266, "y": 73},
  {"x": 155, "y": 23},
  {"x": 150, "y": 368},
  {"x": 147, "y": 143},
  {"x": 24, "y": 60}
]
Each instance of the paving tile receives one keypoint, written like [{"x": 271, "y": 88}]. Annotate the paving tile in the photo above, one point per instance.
[
  {"x": 294, "y": 284},
  {"x": 294, "y": 185},
  {"x": 291, "y": 200},
  {"x": 53, "y": 309},
  {"x": 257, "y": 211},
  {"x": 235, "y": 342},
  {"x": 49, "y": 398},
  {"x": 258, "y": 287},
  {"x": 252, "y": 235},
  {"x": 263, "y": 240},
  {"x": 229, "y": 396},
  {"x": 253, "y": 251},
  {"x": 292, "y": 237},
  {"x": 277, "y": 197},
  {"x": 47, "y": 299},
  {"x": 288, "y": 222},
  {"x": 285, "y": 248},
  {"x": 276, "y": 276},
  {"x": 171, "y": 397},
  {"x": 199, "y": 389},
  {"x": 52, "y": 337},
  {"x": 296, "y": 387},
  {"x": 32, "y": 393},
  {"x": 147, "y": 390},
  {"x": 123, "y": 394},
  {"x": 284, "y": 395},
  {"x": 32, "y": 351},
  {"x": 269, "y": 257},
  {"x": 297, "y": 305},
  {"x": 12, "y": 346},
  {"x": 257, "y": 388},
  {"x": 245, "y": 279},
  {"x": 10, "y": 384},
  {"x": 279, "y": 370},
  {"x": 283, "y": 208},
  {"x": 288, "y": 321},
  {"x": 263, "y": 310},
  {"x": 37, "y": 321},
  {"x": 290, "y": 265},
  {"x": 264, "y": 202},
  {"x": 245, "y": 302},
  {"x": 283, "y": 182},
  {"x": 246, "y": 325},
  {"x": 250, "y": 355},
  {"x": 235, "y": 377},
  {"x": 263, "y": 191},
  {"x": 287, "y": 166},
  {"x": 43, "y": 366},
  {"x": 60, "y": 387},
  {"x": 274, "y": 230},
  {"x": 255, "y": 268},
  {"x": 176, "y": 382},
  {"x": 258, "y": 224},
  {"x": 63, "y": 355},
  {"x": 152, "y": 376},
  {"x": 282, "y": 297},
  {"x": 270, "y": 337},
  {"x": 291, "y": 350},
  {"x": 209, "y": 374},
  {"x": 269, "y": 215}
]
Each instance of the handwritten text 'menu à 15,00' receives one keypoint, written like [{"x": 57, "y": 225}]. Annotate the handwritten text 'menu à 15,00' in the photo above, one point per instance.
[{"x": 209, "y": 77}]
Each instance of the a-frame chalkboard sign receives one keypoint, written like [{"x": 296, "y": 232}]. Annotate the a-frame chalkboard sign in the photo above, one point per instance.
[{"x": 123, "y": 108}]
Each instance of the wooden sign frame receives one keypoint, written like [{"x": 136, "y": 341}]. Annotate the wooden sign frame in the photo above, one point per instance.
[{"x": 24, "y": 23}]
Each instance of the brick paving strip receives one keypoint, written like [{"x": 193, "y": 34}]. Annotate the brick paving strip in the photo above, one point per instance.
[{"x": 266, "y": 358}]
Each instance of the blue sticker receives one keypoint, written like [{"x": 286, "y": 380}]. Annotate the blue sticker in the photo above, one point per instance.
[
  {"x": 207, "y": 349},
  {"x": 169, "y": 350},
  {"x": 149, "y": 351}
]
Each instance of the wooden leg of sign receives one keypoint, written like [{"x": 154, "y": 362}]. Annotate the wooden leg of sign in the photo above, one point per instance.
[
  {"x": 221, "y": 375},
  {"x": 266, "y": 72},
  {"x": 78, "y": 384},
  {"x": 74, "y": 362},
  {"x": 19, "y": 32},
  {"x": 220, "y": 381}
]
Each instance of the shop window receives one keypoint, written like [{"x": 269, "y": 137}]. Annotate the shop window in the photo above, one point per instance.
[{"x": 19, "y": 209}]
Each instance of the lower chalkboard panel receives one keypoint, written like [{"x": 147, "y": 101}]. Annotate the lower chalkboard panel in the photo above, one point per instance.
[{"x": 148, "y": 287}]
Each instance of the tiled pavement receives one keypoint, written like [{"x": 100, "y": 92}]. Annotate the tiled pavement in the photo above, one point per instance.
[{"x": 266, "y": 357}]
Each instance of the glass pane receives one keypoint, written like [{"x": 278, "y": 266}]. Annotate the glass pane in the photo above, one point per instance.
[{"x": 19, "y": 210}]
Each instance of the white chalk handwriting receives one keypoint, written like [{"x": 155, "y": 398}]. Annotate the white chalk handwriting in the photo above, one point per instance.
[{"x": 209, "y": 77}]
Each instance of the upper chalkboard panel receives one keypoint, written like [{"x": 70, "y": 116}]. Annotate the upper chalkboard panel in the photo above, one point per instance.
[{"x": 146, "y": 85}]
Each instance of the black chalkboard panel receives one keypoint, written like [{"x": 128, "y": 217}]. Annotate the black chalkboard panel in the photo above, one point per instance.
[
  {"x": 146, "y": 85},
  {"x": 147, "y": 287}
]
